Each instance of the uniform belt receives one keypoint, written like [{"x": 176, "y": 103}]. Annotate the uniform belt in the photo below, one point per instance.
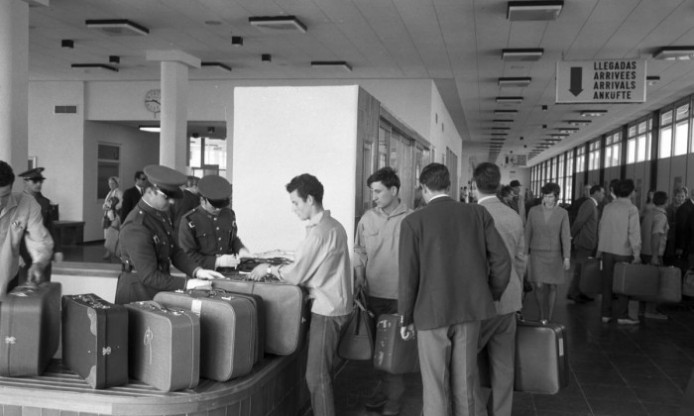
[{"x": 127, "y": 267}]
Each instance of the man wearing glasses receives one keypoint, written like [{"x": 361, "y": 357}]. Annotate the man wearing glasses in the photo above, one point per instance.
[
  {"x": 148, "y": 243},
  {"x": 132, "y": 195},
  {"x": 208, "y": 234},
  {"x": 20, "y": 219}
]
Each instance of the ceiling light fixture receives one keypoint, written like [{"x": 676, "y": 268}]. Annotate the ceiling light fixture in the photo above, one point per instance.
[
  {"x": 117, "y": 27},
  {"x": 277, "y": 23},
  {"x": 505, "y": 112},
  {"x": 502, "y": 120},
  {"x": 499, "y": 133},
  {"x": 558, "y": 135},
  {"x": 522, "y": 54},
  {"x": 675, "y": 53},
  {"x": 651, "y": 80},
  {"x": 592, "y": 113},
  {"x": 215, "y": 65},
  {"x": 533, "y": 10},
  {"x": 500, "y": 128},
  {"x": 150, "y": 129},
  {"x": 237, "y": 40},
  {"x": 514, "y": 81},
  {"x": 96, "y": 66},
  {"x": 567, "y": 130},
  {"x": 578, "y": 123},
  {"x": 332, "y": 64},
  {"x": 508, "y": 99}
]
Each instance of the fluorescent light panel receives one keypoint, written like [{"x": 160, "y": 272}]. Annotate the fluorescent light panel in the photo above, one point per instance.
[
  {"x": 578, "y": 123},
  {"x": 505, "y": 112},
  {"x": 502, "y": 120},
  {"x": 675, "y": 53},
  {"x": 215, "y": 65},
  {"x": 501, "y": 128},
  {"x": 567, "y": 130},
  {"x": 117, "y": 27},
  {"x": 150, "y": 129},
  {"x": 332, "y": 64},
  {"x": 508, "y": 99},
  {"x": 522, "y": 54},
  {"x": 95, "y": 66},
  {"x": 592, "y": 113},
  {"x": 533, "y": 10},
  {"x": 277, "y": 23},
  {"x": 514, "y": 81}
]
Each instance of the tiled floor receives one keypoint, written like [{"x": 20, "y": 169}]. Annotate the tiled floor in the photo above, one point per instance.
[{"x": 615, "y": 370}]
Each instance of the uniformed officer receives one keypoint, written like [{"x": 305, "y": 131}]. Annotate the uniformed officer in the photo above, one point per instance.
[
  {"x": 208, "y": 233},
  {"x": 148, "y": 244},
  {"x": 33, "y": 183},
  {"x": 190, "y": 200}
]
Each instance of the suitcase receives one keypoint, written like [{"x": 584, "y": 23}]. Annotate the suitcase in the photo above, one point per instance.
[
  {"x": 163, "y": 346},
  {"x": 669, "y": 285},
  {"x": 95, "y": 340},
  {"x": 542, "y": 360},
  {"x": 29, "y": 329},
  {"x": 228, "y": 326},
  {"x": 260, "y": 314},
  {"x": 591, "y": 277},
  {"x": 392, "y": 354},
  {"x": 286, "y": 314},
  {"x": 638, "y": 280}
]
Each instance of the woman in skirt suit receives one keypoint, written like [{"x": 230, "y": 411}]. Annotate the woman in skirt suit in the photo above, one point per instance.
[{"x": 548, "y": 238}]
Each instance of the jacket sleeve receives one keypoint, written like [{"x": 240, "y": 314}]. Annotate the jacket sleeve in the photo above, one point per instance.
[
  {"x": 360, "y": 257},
  {"x": 138, "y": 243},
  {"x": 39, "y": 242},
  {"x": 584, "y": 214},
  {"x": 497, "y": 256},
  {"x": 634, "y": 232},
  {"x": 191, "y": 247},
  {"x": 565, "y": 234},
  {"x": 408, "y": 264}
]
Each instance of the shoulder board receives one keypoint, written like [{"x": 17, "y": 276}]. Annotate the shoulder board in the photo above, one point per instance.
[{"x": 189, "y": 216}]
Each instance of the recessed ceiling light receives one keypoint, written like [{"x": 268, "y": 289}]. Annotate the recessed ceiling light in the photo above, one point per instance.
[
  {"x": 558, "y": 135},
  {"x": 522, "y": 54},
  {"x": 675, "y": 53},
  {"x": 150, "y": 129},
  {"x": 578, "y": 123},
  {"x": 117, "y": 27},
  {"x": 534, "y": 10},
  {"x": 332, "y": 64},
  {"x": 502, "y": 120},
  {"x": 95, "y": 66},
  {"x": 567, "y": 130},
  {"x": 592, "y": 113},
  {"x": 505, "y": 112},
  {"x": 218, "y": 65},
  {"x": 500, "y": 128},
  {"x": 514, "y": 81},
  {"x": 507, "y": 99},
  {"x": 499, "y": 133},
  {"x": 277, "y": 23}
]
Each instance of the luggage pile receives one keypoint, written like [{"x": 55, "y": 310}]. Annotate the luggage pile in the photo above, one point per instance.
[{"x": 169, "y": 343}]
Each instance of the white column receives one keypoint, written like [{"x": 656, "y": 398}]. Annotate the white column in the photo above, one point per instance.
[
  {"x": 174, "y": 106},
  {"x": 14, "y": 94}
]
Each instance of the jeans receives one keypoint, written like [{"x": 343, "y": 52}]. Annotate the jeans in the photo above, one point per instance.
[
  {"x": 392, "y": 385},
  {"x": 448, "y": 361},
  {"x": 621, "y": 308},
  {"x": 323, "y": 340}
]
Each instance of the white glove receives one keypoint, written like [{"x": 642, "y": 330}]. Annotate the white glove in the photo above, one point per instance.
[
  {"x": 226, "y": 260},
  {"x": 207, "y": 274},
  {"x": 198, "y": 284}
]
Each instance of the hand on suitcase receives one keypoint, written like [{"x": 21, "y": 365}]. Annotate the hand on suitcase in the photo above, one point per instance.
[
  {"x": 35, "y": 273},
  {"x": 226, "y": 260},
  {"x": 198, "y": 284},
  {"x": 407, "y": 332}
]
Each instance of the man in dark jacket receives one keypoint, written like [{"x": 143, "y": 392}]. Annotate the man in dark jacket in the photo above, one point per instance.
[
  {"x": 132, "y": 195},
  {"x": 584, "y": 232},
  {"x": 453, "y": 264}
]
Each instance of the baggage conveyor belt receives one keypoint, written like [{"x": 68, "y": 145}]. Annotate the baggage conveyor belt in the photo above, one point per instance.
[{"x": 275, "y": 387}]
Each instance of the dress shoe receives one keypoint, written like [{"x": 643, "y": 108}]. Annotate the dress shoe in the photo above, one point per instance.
[
  {"x": 655, "y": 315},
  {"x": 627, "y": 321},
  {"x": 585, "y": 297}
]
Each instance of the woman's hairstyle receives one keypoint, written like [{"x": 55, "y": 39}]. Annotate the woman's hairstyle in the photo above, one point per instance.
[
  {"x": 551, "y": 188},
  {"x": 682, "y": 189},
  {"x": 115, "y": 179}
]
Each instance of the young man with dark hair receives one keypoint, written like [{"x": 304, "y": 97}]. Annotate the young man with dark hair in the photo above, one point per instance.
[
  {"x": 498, "y": 334},
  {"x": 376, "y": 270},
  {"x": 20, "y": 220},
  {"x": 321, "y": 265},
  {"x": 132, "y": 195},
  {"x": 453, "y": 266},
  {"x": 619, "y": 240}
]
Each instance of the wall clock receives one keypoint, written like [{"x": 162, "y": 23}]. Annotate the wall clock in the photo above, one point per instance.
[{"x": 153, "y": 101}]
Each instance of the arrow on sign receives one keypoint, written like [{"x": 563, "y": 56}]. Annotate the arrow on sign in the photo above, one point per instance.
[{"x": 576, "y": 80}]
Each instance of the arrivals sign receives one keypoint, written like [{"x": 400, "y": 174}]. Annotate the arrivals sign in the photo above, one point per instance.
[{"x": 603, "y": 81}]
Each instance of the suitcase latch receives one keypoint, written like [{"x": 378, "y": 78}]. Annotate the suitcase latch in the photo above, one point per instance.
[
  {"x": 106, "y": 351},
  {"x": 10, "y": 340}
]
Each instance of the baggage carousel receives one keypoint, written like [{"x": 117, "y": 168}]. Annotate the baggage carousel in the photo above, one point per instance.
[{"x": 275, "y": 387}]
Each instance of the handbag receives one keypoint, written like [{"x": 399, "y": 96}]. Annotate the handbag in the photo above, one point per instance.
[{"x": 357, "y": 338}]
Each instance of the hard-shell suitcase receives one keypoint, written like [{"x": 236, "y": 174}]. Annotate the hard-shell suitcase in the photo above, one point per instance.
[
  {"x": 260, "y": 314},
  {"x": 670, "y": 285},
  {"x": 638, "y": 280},
  {"x": 542, "y": 361},
  {"x": 392, "y": 354},
  {"x": 285, "y": 312},
  {"x": 228, "y": 326},
  {"x": 591, "y": 277},
  {"x": 29, "y": 329},
  {"x": 95, "y": 340},
  {"x": 163, "y": 346}
]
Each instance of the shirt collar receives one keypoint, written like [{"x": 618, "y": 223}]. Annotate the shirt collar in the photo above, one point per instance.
[
  {"x": 594, "y": 201},
  {"x": 484, "y": 198},
  {"x": 439, "y": 196},
  {"x": 315, "y": 219}
]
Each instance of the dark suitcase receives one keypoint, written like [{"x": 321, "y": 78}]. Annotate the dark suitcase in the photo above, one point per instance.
[
  {"x": 95, "y": 340},
  {"x": 392, "y": 354},
  {"x": 669, "y": 285},
  {"x": 163, "y": 346},
  {"x": 542, "y": 361},
  {"x": 260, "y": 313},
  {"x": 228, "y": 326},
  {"x": 638, "y": 280},
  {"x": 286, "y": 316},
  {"x": 29, "y": 329},
  {"x": 591, "y": 277}
]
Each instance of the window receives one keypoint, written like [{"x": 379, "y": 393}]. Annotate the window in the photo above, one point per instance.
[
  {"x": 594, "y": 155},
  {"x": 108, "y": 164},
  {"x": 613, "y": 149},
  {"x": 207, "y": 155},
  {"x": 639, "y": 141},
  {"x": 553, "y": 170},
  {"x": 561, "y": 176},
  {"x": 580, "y": 158},
  {"x": 665, "y": 148},
  {"x": 681, "y": 130},
  {"x": 569, "y": 191}
]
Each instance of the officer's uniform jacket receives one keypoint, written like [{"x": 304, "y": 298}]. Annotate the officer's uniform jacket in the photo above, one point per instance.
[
  {"x": 204, "y": 236},
  {"x": 148, "y": 249}
]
